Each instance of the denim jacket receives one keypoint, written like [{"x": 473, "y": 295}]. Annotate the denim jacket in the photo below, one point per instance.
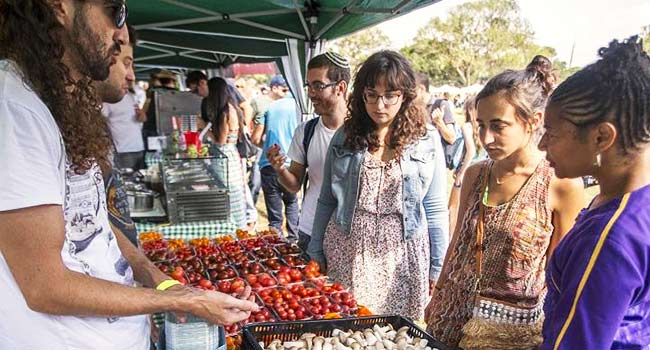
[{"x": 424, "y": 195}]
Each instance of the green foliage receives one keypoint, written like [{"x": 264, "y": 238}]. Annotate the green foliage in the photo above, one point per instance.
[
  {"x": 359, "y": 46},
  {"x": 476, "y": 41}
]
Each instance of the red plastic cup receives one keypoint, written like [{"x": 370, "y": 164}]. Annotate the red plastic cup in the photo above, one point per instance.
[{"x": 192, "y": 138}]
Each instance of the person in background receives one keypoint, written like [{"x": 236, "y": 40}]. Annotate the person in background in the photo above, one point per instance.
[
  {"x": 122, "y": 111},
  {"x": 381, "y": 223},
  {"x": 197, "y": 82},
  {"x": 220, "y": 109},
  {"x": 439, "y": 114},
  {"x": 472, "y": 153},
  {"x": 599, "y": 279},
  {"x": 260, "y": 105},
  {"x": 112, "y": 91},
  {"x": 275, "y": 129},
  {"x": 167, "y": 81},
  {"x": 139, "y": 94},
  {"x": 328, "y": 76},
  {"x": 512, "y": 214},
  {"x": 78, "y": 288}
]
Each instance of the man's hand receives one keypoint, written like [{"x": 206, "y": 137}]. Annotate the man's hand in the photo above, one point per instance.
[
  {"x": 219, "y": 308},
  {"x": 276, "y": 158}
]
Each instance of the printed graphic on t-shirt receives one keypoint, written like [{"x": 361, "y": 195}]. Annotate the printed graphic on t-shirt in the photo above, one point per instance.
[{"x": 87, "y": 225}]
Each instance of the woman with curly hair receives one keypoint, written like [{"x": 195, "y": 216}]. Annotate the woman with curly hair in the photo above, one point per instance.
[{"x": 381, "y": 222}]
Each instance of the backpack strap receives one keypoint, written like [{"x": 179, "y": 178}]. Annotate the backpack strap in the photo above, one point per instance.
[{"x": 310, "y": 127}]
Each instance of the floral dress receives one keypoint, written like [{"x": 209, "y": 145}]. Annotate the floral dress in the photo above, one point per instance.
[{"x": 386, "y": 273}]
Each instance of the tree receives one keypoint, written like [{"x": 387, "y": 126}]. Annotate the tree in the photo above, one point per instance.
[
  {"x": 645, "y": 34},
  {"x": 476, "y": 41},
  {"x": 359, "y": 46}
]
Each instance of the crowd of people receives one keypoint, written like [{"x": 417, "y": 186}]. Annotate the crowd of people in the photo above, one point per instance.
[{"x": 505, "y": 259}]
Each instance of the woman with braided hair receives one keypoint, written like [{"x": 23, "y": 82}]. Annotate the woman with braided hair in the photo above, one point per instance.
[{"x": 598, "y": 123}]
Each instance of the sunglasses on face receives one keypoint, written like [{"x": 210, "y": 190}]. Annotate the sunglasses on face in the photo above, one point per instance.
[{"x": 120, "y": 12}]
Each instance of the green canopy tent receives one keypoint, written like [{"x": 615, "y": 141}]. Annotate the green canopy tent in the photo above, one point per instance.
[{"x": 209, "y": 34}]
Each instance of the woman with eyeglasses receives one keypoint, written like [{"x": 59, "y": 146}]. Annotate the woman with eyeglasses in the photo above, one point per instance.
[
  {"x": 381, "y": 224},
  {"x": 513, "y": 211}
]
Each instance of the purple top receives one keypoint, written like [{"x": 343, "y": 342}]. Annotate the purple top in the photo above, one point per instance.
[{"x": 598, "y": 288}]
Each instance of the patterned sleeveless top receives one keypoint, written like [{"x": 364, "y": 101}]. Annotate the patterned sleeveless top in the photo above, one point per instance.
[{"x": 516, "y": 239}]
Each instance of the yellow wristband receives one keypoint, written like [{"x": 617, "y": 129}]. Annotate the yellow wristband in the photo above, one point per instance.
[{"x": 166, "y": 284}]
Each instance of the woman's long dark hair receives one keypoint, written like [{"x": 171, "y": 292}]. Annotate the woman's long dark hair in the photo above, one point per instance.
[
  {"x": 409, "y": 124},
  {"x": 32, "y": 37},
  {"x": 215, "y": 107}
]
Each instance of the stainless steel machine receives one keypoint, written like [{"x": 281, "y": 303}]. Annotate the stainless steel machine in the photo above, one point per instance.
[{"x": 196, "y": 189}]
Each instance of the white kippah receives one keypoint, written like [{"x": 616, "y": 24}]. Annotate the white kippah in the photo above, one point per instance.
[{"x": 337, "y": 60}]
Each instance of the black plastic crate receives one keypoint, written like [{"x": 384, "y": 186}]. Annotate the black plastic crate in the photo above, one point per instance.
[{"x": 287, "y": 331}]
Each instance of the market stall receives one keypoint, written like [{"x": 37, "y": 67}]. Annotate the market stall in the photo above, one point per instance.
[{"x": 295, "y": 298}]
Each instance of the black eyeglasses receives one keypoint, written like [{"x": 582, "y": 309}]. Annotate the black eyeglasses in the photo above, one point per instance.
[
  {"x": 388, "y": 99},
  {"x": 319, "y": 86},
  {"x": 120, "y": 12}
]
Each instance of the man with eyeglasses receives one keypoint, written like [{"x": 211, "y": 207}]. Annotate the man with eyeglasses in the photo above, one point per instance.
[
  {"x": 275, "y": 130},
  {"x": 68, "y": 279},
  {"x": 328, "y": 76}
]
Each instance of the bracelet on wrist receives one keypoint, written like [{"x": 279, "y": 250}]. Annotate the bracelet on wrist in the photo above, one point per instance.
[{"x": 166, "y": 284}]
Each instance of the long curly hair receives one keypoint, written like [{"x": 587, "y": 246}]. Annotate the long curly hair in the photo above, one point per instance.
[
  {"x": 408, "y": 126},
  {"x": 32, "y": 37}
]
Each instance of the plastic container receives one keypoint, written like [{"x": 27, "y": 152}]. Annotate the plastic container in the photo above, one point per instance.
[
  {"x": 288, "y": 331},
  {"x": 194, "y": 334}
]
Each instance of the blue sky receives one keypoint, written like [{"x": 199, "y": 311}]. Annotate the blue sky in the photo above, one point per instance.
[{"x": 557, "y": 23}]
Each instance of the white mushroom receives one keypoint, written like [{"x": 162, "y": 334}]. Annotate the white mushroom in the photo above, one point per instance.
[
  {"x": 295, "y": 344},
  {"x": 402, "y": 332},
  {"x": 340, "y": 346},
  {"x": 379, "y": 345},
  {"x": 349, "y": 341},
  {"x": 370, "y": 337},
  {"x": 309, "y": 339},
  {"x": 382, "y": 330},
  {"x": 318, "y": 343},
  {"x": 343, "y": 337},
  {"x": 391, "y": 335},
  {"x": 379, "y": 336},
  {"x": 423, "y": 343},
  {"x": 276, "y": 345},
  {"x": 388, "y": 344},
  {"x": 358, "y": 336},
  {"x": 401, "y": 343},
  {"x": 356, "y": 346},
  {"x": 328, "y": 344}
]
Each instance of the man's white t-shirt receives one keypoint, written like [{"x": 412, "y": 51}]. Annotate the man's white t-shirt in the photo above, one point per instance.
[
  {"x": 315, "y": 160},
  {"x": 35, "y": 172},
  {"x": 125, "y": 129}
]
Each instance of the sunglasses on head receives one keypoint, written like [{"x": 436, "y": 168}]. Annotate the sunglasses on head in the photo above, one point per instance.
[{"x": 120, "y": 12}]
